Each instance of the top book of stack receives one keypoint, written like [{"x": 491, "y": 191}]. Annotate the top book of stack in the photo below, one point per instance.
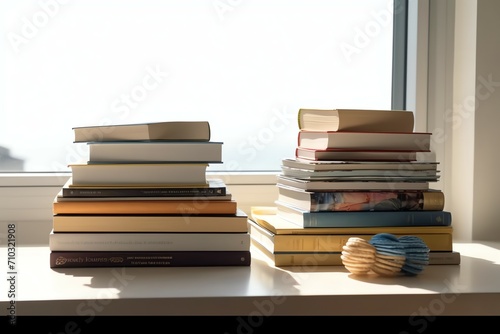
[
  {"x": 356, "y": 120},
  {"x": 158, "y": 131}
]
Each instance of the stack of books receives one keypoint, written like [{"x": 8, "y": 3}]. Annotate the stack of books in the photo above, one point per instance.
[
  {"x": 356, "y": 173},
  {"x": 143, "y": 199}
]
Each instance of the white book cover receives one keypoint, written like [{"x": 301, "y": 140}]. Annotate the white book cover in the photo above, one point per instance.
[
  {"x": 149, "y": 241},
  {"x": 159, "y": 151}
]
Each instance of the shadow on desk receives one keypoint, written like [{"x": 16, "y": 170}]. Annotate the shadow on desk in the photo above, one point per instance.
[{"x": 171, "y": 282}]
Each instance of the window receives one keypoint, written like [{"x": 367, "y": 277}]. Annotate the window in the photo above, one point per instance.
[{"x": 245, "y": 66}]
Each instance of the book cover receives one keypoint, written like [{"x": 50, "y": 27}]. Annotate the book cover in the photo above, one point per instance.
[
  {"x": 145, "y": 207},
  {"x": 338, "y": 185},
  {"x": 417, "y": 141},
  {"x": 313, "y": 259},
  {"x": 334, "y": 242},
  {"x": 89, "y": 259},
  {"x": 158, "y": 151},
  {"x": 358, "y": 155},
  {"x": 402, "y": 200},
  {"x": 213, "y": 187},
  {"x": 169, "y": 130},
  {"x": 129, "y": 241},
  {"x": 361, "y": 120},
  {"x": 332, "y": 165},
  {"x": 138, "y": 174},
  {"x": 151, "y": 223},
  {"x": 266, "y": 216},
  {"x": 362, "y": 218}
]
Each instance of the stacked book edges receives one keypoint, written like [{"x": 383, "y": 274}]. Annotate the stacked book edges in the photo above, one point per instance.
[
  {"x": 165, "y": 227},
  {"x": 287, "y": 244},
  {"x": 143, "y": 199},
  {"x": 148, "y": 226}
]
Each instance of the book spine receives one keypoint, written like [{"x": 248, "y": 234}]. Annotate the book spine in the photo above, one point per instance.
[
  {"x": 335, "y": 243},
  {"x": 149, "y": 241},
  {"x": 178, "y": 224},
  {"x": 151, "y": 192},
  {"x": 64, "y": 259},
  {"x": 145, "y": 207},
  {"x": 451, "y": 257},
  {"x": 376, "y": 218},
  {"x": 334, "y": 259},
  {"x": 377, "y": 201}
]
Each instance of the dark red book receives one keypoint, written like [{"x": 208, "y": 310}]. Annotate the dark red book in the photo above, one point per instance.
[{"x": 83, "y": 259}]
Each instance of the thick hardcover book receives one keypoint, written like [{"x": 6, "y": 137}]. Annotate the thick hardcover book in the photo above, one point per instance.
[
  {"x": 138, "y": 174},
  {"x": 129, "y": 241},
  {"x": 88, "y": 259},
  {"x": 415, "y": 200},
  {"x": 362, "y": 218},
  {"x": 333, "y": 242},
  {"x": 159, "y": 151},
  {"x": 358, "y": 155},
  {"x": 409, "y": 141},
  {"x": 170, "y": 130},
  {"x": 337, "y": 185},
  {"x": 267, "y": 217},
  {"x": 151, "y": 223},
  {"x": 146, "y": 207},
  {"x": 307, "y": 259},
  {"x": 213, "y": 187},
  {"x": 328, "y": 165},
  {"x": 312, "y": 259},
  {"x": 355, "y": 120}
]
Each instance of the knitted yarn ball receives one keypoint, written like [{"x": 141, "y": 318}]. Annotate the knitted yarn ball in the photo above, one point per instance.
[{"x": 386, "y": 255}]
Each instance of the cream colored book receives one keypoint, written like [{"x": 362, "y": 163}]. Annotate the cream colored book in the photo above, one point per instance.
[
  {"x": 138, "y": 174},
  {"x": 356, "y": 120},
  {"x": 170, "y": 130},
  {"x": 152, "y": 223}
]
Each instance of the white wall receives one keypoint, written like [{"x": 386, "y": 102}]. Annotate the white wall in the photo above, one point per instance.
[
  {"x": 464, "y": 96},
  {"x": 486, "y": 123}
]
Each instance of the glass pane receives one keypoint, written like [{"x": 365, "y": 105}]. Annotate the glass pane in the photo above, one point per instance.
[{"x": 245, "y": 66}]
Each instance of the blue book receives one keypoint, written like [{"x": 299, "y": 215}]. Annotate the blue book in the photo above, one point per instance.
[{"x": 362, "y": 218}]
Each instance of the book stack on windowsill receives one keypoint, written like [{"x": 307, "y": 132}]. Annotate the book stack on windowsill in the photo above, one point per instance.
[
  {"x": 356, "y": 173},
  {"x": 143, "y": 199}
]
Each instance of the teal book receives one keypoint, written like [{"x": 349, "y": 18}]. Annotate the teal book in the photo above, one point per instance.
[{"x": 362, "y": 218}]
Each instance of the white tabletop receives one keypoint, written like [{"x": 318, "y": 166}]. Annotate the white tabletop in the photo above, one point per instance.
[{"x": 471, "y": 288}]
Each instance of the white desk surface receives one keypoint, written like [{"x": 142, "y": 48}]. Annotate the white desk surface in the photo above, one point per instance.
[{"x": 471, "y": 288}]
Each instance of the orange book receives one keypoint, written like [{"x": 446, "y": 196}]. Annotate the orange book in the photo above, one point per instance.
[{"x": 146, "y": 207}]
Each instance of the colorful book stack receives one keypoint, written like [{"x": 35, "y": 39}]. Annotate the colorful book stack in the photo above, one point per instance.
[
  {"x": 143, "y": 199},
  {"x": 356, "y": 173}
]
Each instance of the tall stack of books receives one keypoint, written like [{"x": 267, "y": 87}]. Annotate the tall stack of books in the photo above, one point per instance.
[
  {"x": 356, "y": 173},
  {"x": 143, "y": 199}
]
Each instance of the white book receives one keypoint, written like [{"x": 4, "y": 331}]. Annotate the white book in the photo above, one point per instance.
[
  {"x": 159, "y": 151},
  {"x": 319, "y": 165},
  {"x": 313, "y": 185},
  {"x": 128, "y": 174},
  {"x": 129, "y": 241}
]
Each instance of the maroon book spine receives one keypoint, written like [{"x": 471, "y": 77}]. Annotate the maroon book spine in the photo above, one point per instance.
[{"x": 77, "y": 259}]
